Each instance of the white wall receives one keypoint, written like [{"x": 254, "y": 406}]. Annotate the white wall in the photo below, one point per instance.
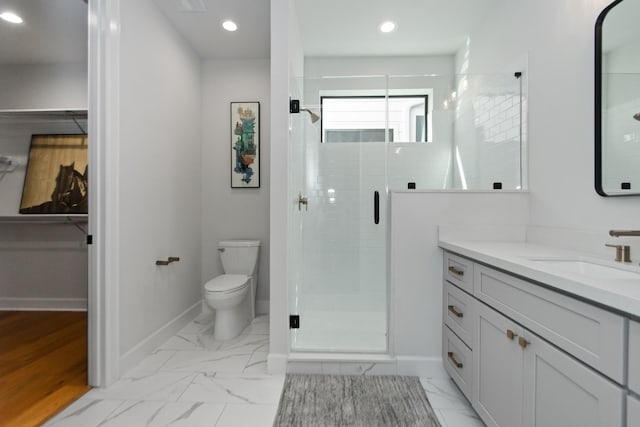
[
  {"x": 232, "y": 213},
  {"x": 416, "y": 260},
  {"x": 44, "y": 86},
  {"x": 158, "y": 188},
  {"x": 561, "y": 112},
  {"x": 43, "y": 266}
]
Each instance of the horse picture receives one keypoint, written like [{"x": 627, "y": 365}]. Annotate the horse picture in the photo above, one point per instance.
[{"x": 54, "y": 183}]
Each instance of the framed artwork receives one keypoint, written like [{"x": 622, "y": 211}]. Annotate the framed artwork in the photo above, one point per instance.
[
  {"x": 56, "y": 178},
  {"x": 245, "y": 145}
]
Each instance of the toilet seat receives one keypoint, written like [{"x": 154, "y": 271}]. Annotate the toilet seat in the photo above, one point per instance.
[{"x": 227, "y": 283}]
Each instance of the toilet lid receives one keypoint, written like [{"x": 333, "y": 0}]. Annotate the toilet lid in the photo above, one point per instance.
[{"x": 226, "y": 283}]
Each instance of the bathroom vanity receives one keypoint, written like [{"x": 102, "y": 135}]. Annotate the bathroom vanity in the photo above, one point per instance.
[{"x": 537, "y": 336}]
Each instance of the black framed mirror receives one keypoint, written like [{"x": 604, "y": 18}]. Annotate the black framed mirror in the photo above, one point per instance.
[{"x": 617, "y": 100}]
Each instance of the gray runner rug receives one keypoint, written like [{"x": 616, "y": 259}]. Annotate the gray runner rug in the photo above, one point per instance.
[{"x": 367, "y": 401}]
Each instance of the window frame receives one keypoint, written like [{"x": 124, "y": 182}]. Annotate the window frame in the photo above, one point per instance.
[{"x": 422, "y": 96}]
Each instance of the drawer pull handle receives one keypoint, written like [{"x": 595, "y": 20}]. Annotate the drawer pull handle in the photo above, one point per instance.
[
  {"x": 456, "y": 271},
  {"x": 522, "y": 342},
  {"x": 453, "y": 359},
  {"x": 455, "y": 312},
  {"x": 511, "y": 335}
]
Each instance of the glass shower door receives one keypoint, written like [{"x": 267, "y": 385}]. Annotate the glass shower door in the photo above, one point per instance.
[{"x": 339, "y": 281}]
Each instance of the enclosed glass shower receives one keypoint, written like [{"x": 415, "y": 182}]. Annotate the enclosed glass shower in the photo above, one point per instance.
[{"x": 356, "y": 139}]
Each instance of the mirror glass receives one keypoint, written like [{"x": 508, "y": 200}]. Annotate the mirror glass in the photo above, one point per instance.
[{"x": 617, "y": 132}]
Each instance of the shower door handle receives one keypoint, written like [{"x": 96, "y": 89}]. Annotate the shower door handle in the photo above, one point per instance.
[
  {"x": 302, "y": 201},
  {"x": 376, "y": 207}
]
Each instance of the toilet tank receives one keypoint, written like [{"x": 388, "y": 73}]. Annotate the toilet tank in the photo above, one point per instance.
[{"x": 239, "y": 256}]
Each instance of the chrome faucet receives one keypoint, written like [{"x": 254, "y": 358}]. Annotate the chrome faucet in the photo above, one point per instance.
[
  {"x": 623, "y": 252},
  {"x": 619, "y": 233}
]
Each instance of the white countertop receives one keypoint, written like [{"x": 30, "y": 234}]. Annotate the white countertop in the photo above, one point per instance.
[{"x": 622, "y": 294}]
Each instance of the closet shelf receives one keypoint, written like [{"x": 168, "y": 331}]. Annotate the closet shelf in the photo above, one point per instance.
[{"x": 44, "y": 219}]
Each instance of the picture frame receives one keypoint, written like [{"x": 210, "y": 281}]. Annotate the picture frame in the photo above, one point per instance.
[
  {"x": 56, "y": 180},
  {"x": 245, "y": 145}
]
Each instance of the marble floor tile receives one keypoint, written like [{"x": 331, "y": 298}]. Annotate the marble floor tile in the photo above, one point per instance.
[
  {"x": 455, "y": 418},
  {"x": 161, "y": 386},
  {"x": 161, "y": 414},
  {"x": 444, "y": 394},
  {"x": 151, "y": 363},
  {"x": 235, "y": 388},
  {"x": 183, "y": 341},
  {"x": 247, "y": 415},
  {"x": 84, "y": 413},
  {"x": 259, "y": 326},
  {"x": 246, "y": 343},
  {"x": 194, "y": 380},
  {"x": 203, "y": 324},
  {"x": 207, "y": 361},
  {"x": 257, "y": 363}
]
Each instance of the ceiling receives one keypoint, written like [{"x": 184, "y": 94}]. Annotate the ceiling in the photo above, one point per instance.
[
  {"x": 56, "y": 30},
  {"x": 424, "y": 27},
  {"x": 330, "y": 27},
  {"x": 52, "y": 31},
  {"x": 200, "y": 23}
]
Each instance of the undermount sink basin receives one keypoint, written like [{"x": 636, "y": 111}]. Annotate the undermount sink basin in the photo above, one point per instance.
[{"x": 586, "y": 268}]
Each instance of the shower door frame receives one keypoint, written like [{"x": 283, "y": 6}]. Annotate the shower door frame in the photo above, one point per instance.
[{"x": 297, "y": 278}]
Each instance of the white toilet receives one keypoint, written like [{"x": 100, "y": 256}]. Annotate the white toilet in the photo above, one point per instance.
[{"x": 233, "y": 294}]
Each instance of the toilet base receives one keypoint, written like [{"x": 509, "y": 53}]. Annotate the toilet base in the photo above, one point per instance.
[{"x": 229, "y": 323}]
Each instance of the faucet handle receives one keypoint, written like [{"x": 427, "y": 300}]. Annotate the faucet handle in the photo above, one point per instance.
[
  {"x": 618, "y": 251},
  {"x": 623, "y": 252},
  {"x": 626, "y": 253}
]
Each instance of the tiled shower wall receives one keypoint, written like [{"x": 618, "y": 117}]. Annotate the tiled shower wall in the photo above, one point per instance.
[{"x": 487, "y": 132}]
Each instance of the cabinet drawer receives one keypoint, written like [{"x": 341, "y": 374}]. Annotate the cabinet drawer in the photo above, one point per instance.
[
  {"x": 458, "y": 271},
  {"x": 457, "y": 361},
  {"x": 593, "y": 335},
  {"x": 458, "y": 312},
  {"x": 634, "y": 356}
]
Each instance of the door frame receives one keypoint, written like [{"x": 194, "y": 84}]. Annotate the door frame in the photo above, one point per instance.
[{"x": 103, "y": 124}]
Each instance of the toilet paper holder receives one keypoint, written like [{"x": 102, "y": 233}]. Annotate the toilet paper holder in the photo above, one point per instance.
[{"x": 168, "y": 261}]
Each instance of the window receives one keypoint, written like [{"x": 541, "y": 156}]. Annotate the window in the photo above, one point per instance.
[{"x": 364, "y": 118}]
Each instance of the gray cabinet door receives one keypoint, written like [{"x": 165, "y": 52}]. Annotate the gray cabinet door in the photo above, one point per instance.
[
  {"x": 634, "y": 357},
  {"x": 633, "y": 411},
  {"x": 498, "y": 369},
  {"x": 560, "y": 391}
]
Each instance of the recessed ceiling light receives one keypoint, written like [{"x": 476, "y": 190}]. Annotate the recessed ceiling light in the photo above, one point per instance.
[
  {"x": 11, "y": 17},
  {"x": 387, "y": 26},
  {"x": 229, "y": 25}
]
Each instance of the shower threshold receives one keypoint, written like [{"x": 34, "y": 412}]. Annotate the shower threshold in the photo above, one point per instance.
[{"x": 341, "y": 364}]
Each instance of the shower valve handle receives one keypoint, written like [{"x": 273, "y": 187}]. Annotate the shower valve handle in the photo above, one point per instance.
[{"x": 303, "y": 201}]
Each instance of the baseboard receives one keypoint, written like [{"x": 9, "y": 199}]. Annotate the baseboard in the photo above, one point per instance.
[
  {"x": 262, "y": 307},
  {"x": 43, "y": 304},
  {"x": 423, "y": 367},
  {"x": 134, "y": 356}
]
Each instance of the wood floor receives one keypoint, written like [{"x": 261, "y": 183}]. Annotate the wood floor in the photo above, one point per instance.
[{"x": 43, "y": 364}]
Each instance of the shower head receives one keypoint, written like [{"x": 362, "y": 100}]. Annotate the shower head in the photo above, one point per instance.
[
  {"x": 314, "y": 116},
  {"x": 637, "y": 116}
]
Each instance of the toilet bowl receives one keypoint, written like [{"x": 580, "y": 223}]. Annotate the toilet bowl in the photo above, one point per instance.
[{"x": 232, "y": 295}]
